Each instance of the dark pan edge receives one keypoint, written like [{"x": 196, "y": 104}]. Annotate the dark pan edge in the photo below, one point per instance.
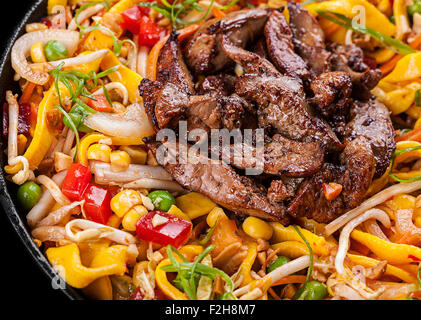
[{"x": 5, "y": 197}]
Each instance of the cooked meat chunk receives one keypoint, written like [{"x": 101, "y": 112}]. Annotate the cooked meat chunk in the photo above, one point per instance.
[
  {"x": 349, "y": 58},
  {"x": 280, "y": 156},
  {"x": 149, "y": 90},
  {"x": 204, "y": 54},
  {"x": 216, "y": 180},
  {"x": 284, "y": 189},
  {"x": 332, "y": 91},
  {"x": 354, "y": 174},
  {"x": 283, "y": 109},
  {"x": 281, "y": 49},
  {"x": 171, "y": 67},
  {"x": 251, "y": 62},
  {"x": 371, "y": 120},
  {"x": 308, "y": 39},
  {"x": 219, "y": 85}
]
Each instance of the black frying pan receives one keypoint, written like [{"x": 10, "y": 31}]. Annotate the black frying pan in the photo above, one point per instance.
[{"x": 8, "y": 190}]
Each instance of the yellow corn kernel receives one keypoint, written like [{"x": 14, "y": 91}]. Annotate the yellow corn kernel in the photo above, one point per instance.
[
  {"x": 100, "y": 152},
  {"x": 123, "y": 201},
  {"x": 120, "y": 161},
  {"x": 137, "y": 154},
  {"x": 175, "y": 211},
  {"x": 257, "y": 228},
  {"x": 37, "y": 53},
  {"x": 216, "y": 213},
  {"x": 114, "y": 221},
  {"x": 22, "y": 140},
  {"x": 132, "y": 217}
]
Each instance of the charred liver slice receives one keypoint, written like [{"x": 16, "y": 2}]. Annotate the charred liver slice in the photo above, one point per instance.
[
  {"x": 171, "y": 67},
  {"x": 278, "y": 157},
  {"x": 281, "y": 49},
  {"x": 308, "y": 39},
  {"x": 216, "y": 180},
  {"x": 332, "y": 91},
  {"x": 204, "y": 54},
  {"x": 349, "y": 58},
  {"x": 371, "y": 120},
  {"x": 354, "y": 174},
  {"x": 282, "y": 109}
]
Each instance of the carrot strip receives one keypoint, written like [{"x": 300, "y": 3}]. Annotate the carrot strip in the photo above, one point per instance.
[
  {"x": 414, "y": 135},
  {"x": 217, "y": 13},
  {"x": 156, "y": 49},
  {"x": 153, "y": 59},
  {"x": 390, "y": 65},
  {"x": 290, "y": 279},
  {"x": 331, "y": 29},
  {"x": 27, "y": 92}
]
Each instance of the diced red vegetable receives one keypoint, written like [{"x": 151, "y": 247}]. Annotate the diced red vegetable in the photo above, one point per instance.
[
  {"x": 101, "y": 103},
  {"x": 24, "y": 119},
  {"x": 137, "y": 295},
  {"x": 97, "y": 204},
  {"x": 131, "y": 19},
  {"x": 149, "y": 32},
  {"x": 77, "y": 180},
  {"x": 173, "y": 231},
  {"x": 253, "y": 2}
]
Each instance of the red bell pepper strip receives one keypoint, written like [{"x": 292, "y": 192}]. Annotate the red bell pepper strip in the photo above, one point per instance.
[
  {"x": 101, "y": 103},
  {"x": 76, "y": 181},
  {"x": 97, "y": 204},
  {"x": 174, "y": 231},
  {"x": 149, "y": 32},
  {"x": 138, "y": 295},
  {"x": 131, "y": 19}
]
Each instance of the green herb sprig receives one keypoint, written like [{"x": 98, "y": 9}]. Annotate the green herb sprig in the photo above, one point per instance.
[
  {"x": 174, "y": 10},
  {"x": 402, "y": 151},
  {"x": 188, "y": 273},
  {"x": 300, "y": 295},
  {"x": 77, "y": 83},
  {"x": 389, "y": 42}
]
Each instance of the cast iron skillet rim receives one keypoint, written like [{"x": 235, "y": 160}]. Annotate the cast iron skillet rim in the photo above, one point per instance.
[{"x": 5, "y": 198}]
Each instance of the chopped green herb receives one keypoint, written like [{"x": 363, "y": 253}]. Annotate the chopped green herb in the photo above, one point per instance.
[{"x": 389, "y": 42}]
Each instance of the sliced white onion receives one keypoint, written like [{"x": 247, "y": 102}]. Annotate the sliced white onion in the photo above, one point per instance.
[
  {"x": 22, "y": 48},
  {"x": 154, "y": 184},
  {"x": 116, "y": 86},
  {"x": 373, "y": 228},
  {"x": 84, "y": 15},
  {"x": 346, "y": 231},
  {"x": 45, "y": 203},
  {"x": 98, "y": 231},
  {"x": 57, "y": 216},
  {"x": 283, "y": 271},
  {"x": 103, "y": 173},
  {"x": 134, "y": 123},
  {"x": 75, "y": 61},
  {"x": 12, "y": 143},
  {"x": 375, "y": 200},
  {"x": 49, "y": 233},
  {"x": 142, "y": 59},
  {"x": 54, "y": 190}
]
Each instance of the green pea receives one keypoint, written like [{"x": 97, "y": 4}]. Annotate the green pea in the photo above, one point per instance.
[
  {"x": 277, "y": 263},
  {"x": 313, "y": 290},
  {"x": 29, "y": 194},
  {"x": 162, "y": 200},
  {"x": 55, "y": 50},
  {"x": 414, "y": 8}
]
